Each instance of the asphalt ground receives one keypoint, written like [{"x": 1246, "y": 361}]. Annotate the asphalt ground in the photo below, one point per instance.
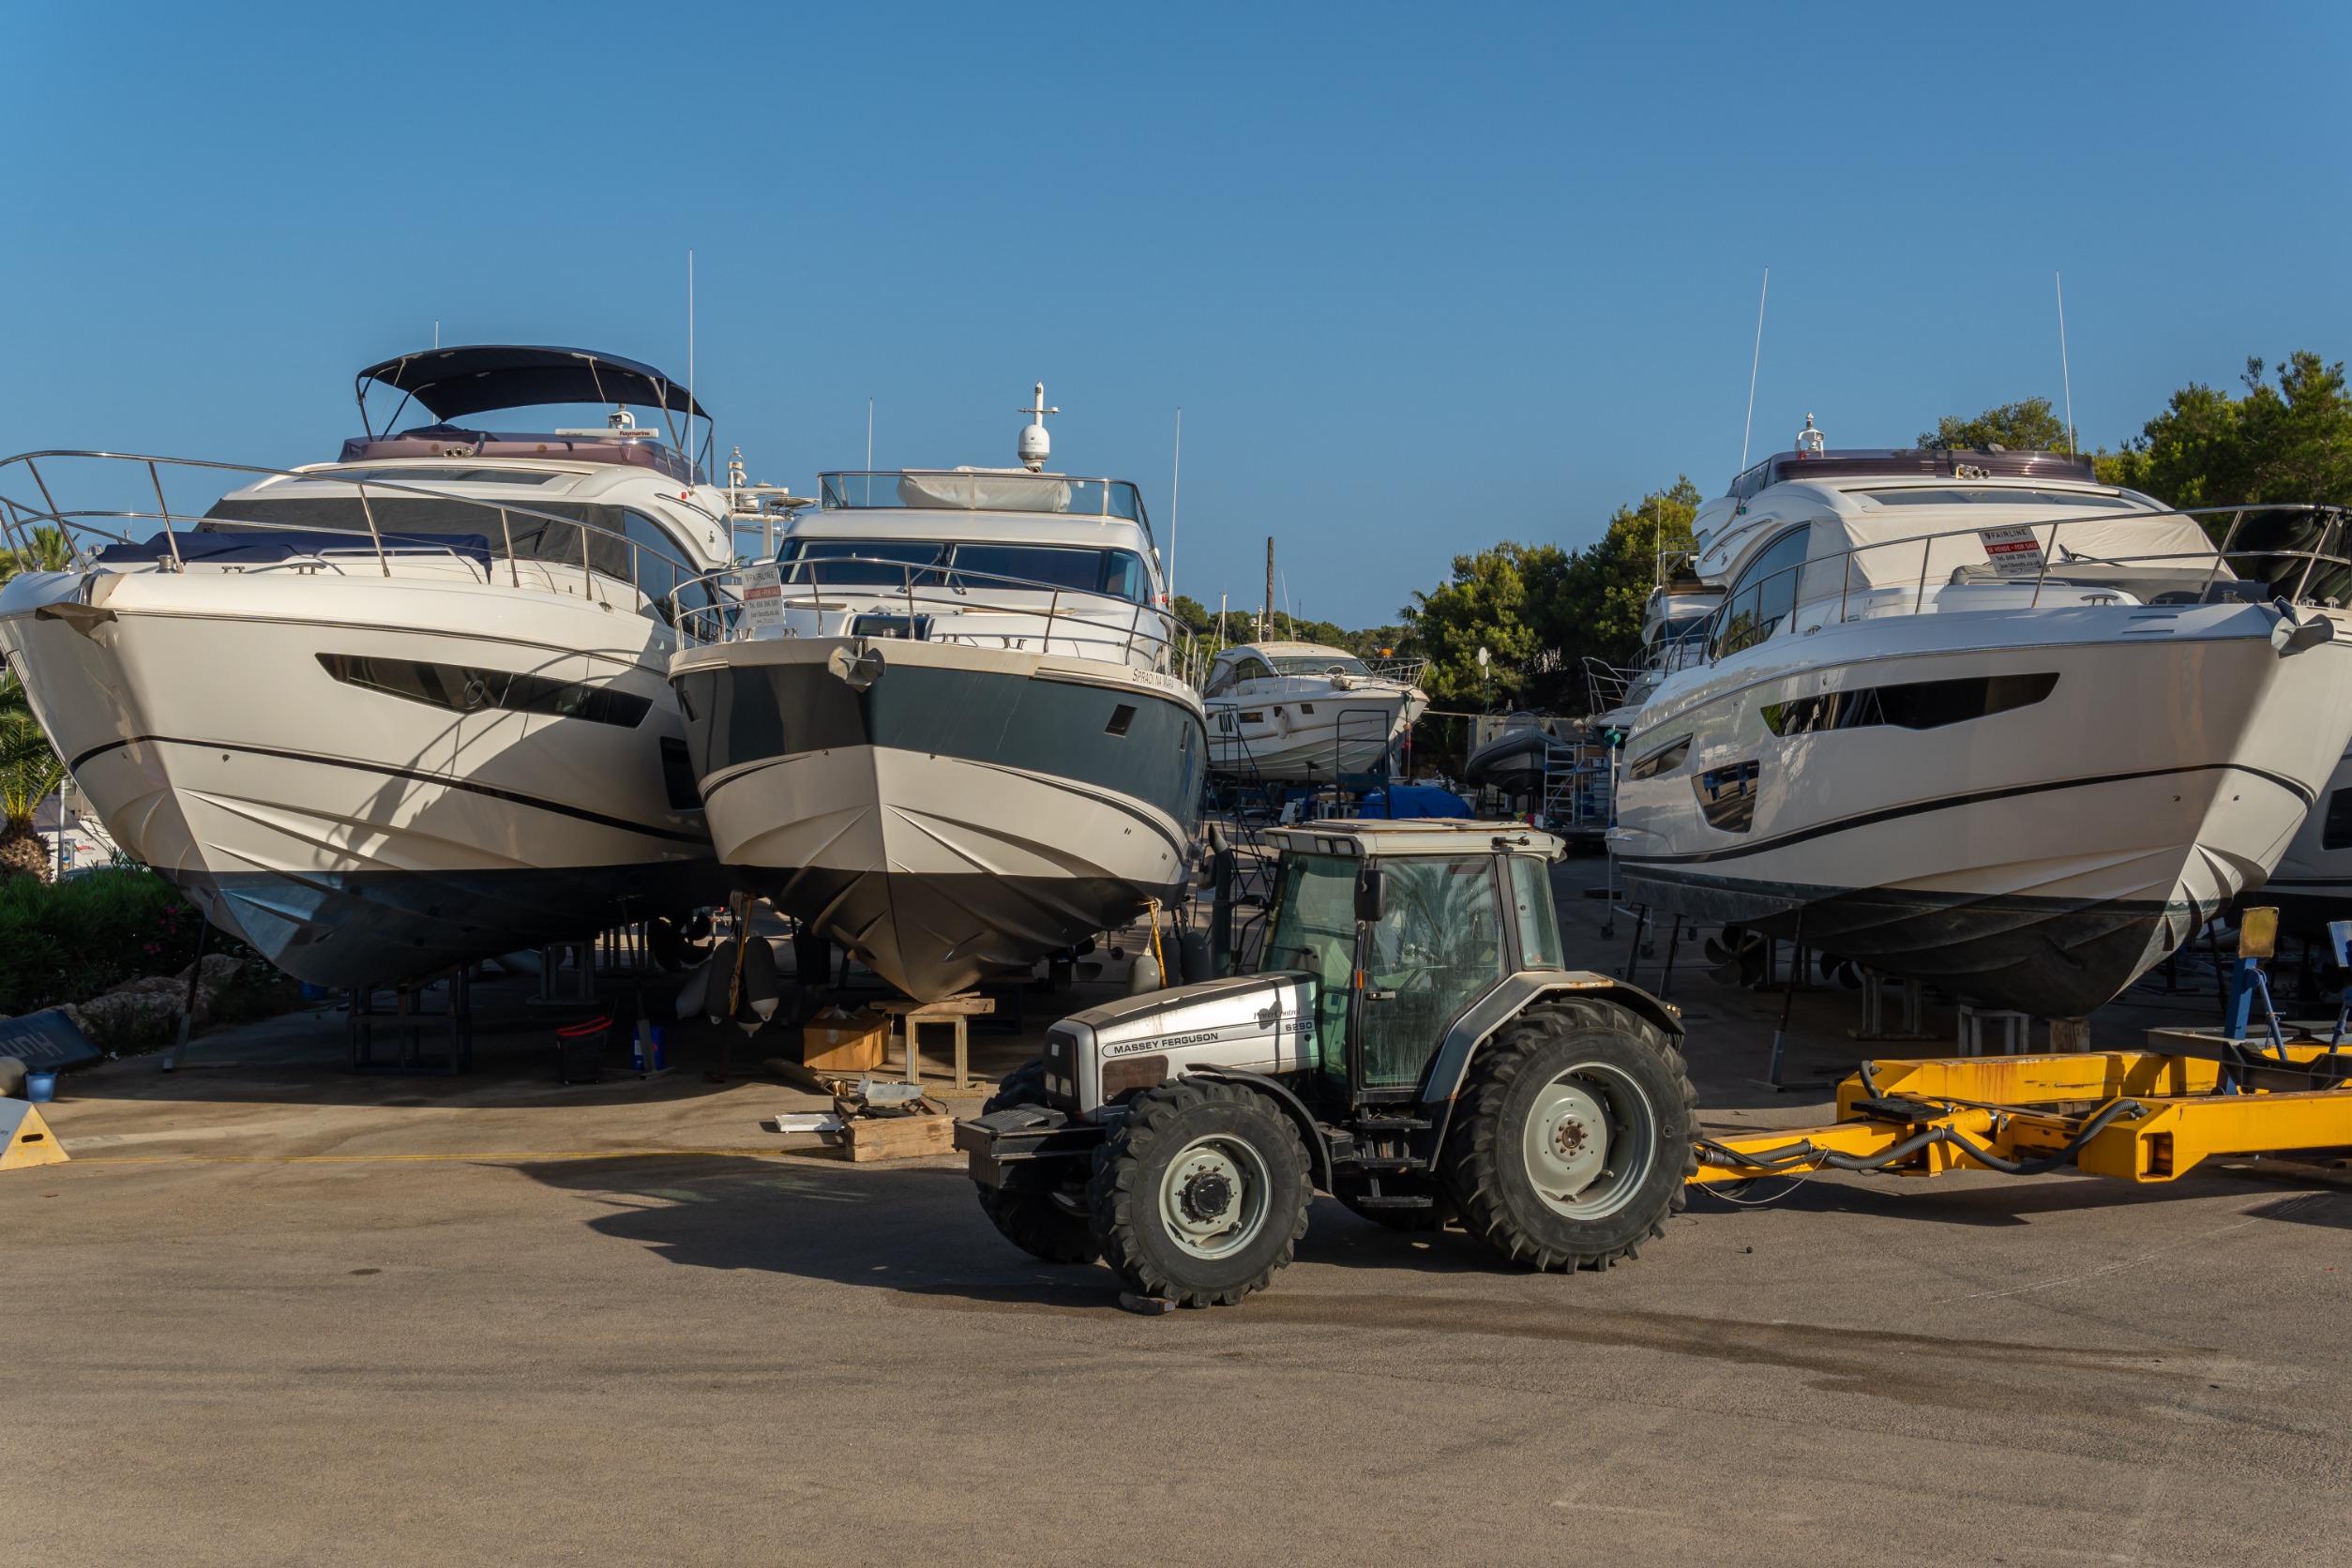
[{"x": 273, "y": 1313}]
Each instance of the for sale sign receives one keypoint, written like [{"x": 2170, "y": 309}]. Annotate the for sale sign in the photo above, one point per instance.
[
  {"x": 762, "y": 598},
  {"x": 2015, "y": 551}
]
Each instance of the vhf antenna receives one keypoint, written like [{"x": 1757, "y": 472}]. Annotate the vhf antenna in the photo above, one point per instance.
[{"x": 1749, "y": 428}]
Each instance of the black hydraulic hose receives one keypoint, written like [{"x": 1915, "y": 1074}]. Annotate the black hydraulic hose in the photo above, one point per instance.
[{"x": 1778, "y": 1161}]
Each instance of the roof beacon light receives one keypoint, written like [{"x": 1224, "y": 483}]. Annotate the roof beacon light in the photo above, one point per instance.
[
  {"x": 1035, "y": 446},
  {"x": 1811, "y": 443}
]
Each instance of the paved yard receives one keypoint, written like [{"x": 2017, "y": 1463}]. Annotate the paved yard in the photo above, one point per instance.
[{"x": 272, "y": 1314}]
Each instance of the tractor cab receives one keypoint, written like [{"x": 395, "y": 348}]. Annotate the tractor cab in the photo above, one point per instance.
[
  {"x": 1404, "y": 926},
  {"x": 1411, "y": 1042}
]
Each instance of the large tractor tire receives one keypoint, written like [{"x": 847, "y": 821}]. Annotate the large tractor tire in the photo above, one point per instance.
[
  {"x": 1202, "y": 1194},
  {"x": 1572, "y": 1138},
  {"x": 1048, "y": 1224}
]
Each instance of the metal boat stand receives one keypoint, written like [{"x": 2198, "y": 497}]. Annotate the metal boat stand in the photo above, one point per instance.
[
  {"x": 410, "y": 1025},
  {"x": 1874, "y": 1002}
]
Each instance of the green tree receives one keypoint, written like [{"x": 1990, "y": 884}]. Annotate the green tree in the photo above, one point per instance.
[
  {"x": 1492, "y": 601},
  {"x": 2026, "y": 427},
  {"x": 29, "y": 772},
  {"x": 2291, "y": 442},
  {"x": 1597, "y": 610},
  {"x": 47, "y": 551}
]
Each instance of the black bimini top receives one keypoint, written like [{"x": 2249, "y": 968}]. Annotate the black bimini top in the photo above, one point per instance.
[{"x": 456, "y": 381}]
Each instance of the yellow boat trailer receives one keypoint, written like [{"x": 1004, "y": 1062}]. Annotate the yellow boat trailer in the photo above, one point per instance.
[{"x": 2139, "y": 1115}]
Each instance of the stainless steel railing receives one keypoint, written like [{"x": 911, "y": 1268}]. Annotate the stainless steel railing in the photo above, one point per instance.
[
  {"x": 653, "y": 574},
  {"x": 1091, "y": 625}
]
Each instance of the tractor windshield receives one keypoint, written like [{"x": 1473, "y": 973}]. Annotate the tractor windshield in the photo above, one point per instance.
[{"x": 1315, "y": 929}]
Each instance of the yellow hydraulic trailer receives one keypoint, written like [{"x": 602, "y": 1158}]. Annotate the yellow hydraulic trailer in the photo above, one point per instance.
[{"x": 2143, "y": 1116}]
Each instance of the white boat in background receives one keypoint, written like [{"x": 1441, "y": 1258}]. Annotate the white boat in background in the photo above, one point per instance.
[
  {"x": 2312, "y": 884},
  {"x": 408, "y": 709},
  {"x": 946, "y": 734},
  {"x": 1976, "y": 719},
  {"x": 1304, "y": 713}
]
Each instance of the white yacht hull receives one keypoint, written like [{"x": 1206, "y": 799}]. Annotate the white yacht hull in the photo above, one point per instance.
[
  {"x": 353, "y": 835},
  {"x": 2313, "y": 884},
  {"x": 1348, "y": 735},
  {"x": 2040, "y": 856},
  {"x": 967, "y": 810}
]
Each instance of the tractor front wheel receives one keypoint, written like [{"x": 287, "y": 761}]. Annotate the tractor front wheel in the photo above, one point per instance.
[
  {"x": 1047, "y": 1225},
  {"x": 1202, "y": 1194},
  {"x": 1574, "y": 1137}
]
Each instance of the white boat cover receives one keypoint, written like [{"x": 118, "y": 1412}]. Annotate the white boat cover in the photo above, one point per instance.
[
  {"x": 979, "y": 490},
  {"x": 1887, "y": 541}
]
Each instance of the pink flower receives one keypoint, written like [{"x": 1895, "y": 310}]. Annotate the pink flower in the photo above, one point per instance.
[{"x": 154, "y": 947}]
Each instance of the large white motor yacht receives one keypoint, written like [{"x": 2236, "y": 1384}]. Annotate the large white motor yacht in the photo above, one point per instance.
[
  {"x": 384, "y": 714},
  {"x": 944, "y": 731},
  {"x": 1977, "y": 719},
  {"x": 1303, "y": 713},
  {"x": 2313, "y": 884}
]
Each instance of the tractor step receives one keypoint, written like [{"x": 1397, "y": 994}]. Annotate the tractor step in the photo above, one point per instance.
[
  {"x": 1389, "y": 1162},
  {"x": 1382, "y": 1127},
  {"x": 1415, "y": 1200}
]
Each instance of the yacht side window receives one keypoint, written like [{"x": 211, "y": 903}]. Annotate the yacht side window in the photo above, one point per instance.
[
  {"x": 1765, "y": 594},
  {"x": 1251, "y": 670}
]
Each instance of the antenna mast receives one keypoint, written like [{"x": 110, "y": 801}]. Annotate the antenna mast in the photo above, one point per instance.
[
  {"x": 1749, "y": 428},
  {"x": 1175, "y": 482},
  {"x": 2065, "y": 376},
  {"x": 1265, "y": 621}
]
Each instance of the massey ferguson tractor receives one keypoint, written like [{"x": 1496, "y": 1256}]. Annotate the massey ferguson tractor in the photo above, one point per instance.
[{"x": 1413, "y": 1044}]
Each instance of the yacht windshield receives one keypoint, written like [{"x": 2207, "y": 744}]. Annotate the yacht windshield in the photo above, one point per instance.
[
  {"x": 1317, "y": 664},
  {"x": 967, "y": 565}
]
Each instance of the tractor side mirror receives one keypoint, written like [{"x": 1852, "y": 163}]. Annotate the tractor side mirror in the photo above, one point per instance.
[{"x": 1371, "y": 903}]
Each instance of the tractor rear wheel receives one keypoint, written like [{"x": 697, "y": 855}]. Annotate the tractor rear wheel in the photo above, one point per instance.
[
  {"x": 1573, "y": 1136},
  {"x": 1048, "y": 1224},
  {"x": 1202, "y": 1194}
]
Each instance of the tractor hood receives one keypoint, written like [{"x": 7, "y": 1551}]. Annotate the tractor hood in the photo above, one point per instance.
[{"x": 1261, "y": 1023}]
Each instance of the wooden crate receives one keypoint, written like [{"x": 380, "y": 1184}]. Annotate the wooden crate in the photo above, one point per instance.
[
  {"x": 844, "y": 1044},
  {"x": 900, "y": 1138}
]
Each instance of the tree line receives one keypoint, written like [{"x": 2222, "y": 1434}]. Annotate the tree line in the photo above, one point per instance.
[{"x": 1540, "y": 610}]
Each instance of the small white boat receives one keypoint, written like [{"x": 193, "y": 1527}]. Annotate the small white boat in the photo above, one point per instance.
[
  {"x": 1978, "y": 719},
  {"x": 402, "y": 711},
  {"x": 950, "y": 737},
  {"x": 1306, "y": 714}
]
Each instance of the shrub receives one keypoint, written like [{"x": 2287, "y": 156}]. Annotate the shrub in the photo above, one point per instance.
[{"x": 70, "y": 941}]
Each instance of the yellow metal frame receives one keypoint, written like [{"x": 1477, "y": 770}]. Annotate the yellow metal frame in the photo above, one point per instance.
[{"x": 2025, "y": 1107}]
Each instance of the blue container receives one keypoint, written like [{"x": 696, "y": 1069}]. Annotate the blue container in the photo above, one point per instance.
[{"x": 40, "y": 1087}]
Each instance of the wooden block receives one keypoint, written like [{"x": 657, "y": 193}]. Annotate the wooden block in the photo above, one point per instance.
[
  {"x": 901, "y": 1138},
  {"x": 967, "y": 1005},
  {"x": 844, "y": 1043}
]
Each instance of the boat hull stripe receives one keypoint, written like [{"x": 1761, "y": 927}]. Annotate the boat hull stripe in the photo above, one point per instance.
[{"x": 411, "y": 775}]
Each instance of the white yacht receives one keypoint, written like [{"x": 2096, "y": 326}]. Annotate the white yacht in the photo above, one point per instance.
[
  {"x": 945, "y": 731},
  {"x": 2313, "y": 884},
  {"x": 1305, "y": 714},
  {"x": 403, "y": 710},
  {"x": 1977, "y": 719}
]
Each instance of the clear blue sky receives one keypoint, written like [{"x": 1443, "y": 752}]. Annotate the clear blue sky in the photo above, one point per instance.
[{"x": 1420, "y": 276}]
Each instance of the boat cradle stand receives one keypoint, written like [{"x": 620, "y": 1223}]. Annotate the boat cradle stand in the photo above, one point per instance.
[
  {"x": 411, "y": 1024},
  {"x": 2136, "y": 1115}
]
